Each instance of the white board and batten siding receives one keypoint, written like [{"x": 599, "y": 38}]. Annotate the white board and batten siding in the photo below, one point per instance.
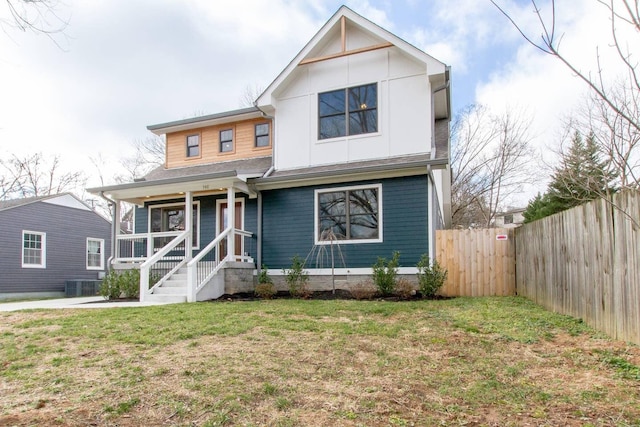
[{"x": 404, "y": 109}]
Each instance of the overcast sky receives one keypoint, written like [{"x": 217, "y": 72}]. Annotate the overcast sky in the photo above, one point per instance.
[{"x": 121, "y": 65}]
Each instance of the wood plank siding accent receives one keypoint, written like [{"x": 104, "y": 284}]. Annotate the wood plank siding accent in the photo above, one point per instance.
[
  {"x": 477, "y": 263},
  {"x": 243, "y": 144}
]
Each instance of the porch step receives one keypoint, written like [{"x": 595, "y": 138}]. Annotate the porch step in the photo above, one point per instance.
[
  {"x": 170, "y": 290},
  {"x": 166, "y": 298},
  {"x": 174, "y": 283}
]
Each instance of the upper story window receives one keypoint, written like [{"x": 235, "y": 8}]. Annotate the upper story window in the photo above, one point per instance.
[
  {"x": 193, "y": 145},
  {"x": 262, "y": 135},
  {"x": 34, "y": 253},
  {"x": 351, "y": 111},
  {"x": 351, "y": 215},
  {"x": 226, "y": 141}
]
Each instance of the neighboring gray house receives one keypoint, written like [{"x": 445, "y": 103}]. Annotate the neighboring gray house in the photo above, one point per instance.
[
  {"x": 46, "y": 241},
  {"x": 511, "y": 218}
]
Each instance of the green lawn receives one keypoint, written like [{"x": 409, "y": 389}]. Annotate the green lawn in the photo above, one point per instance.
[{"x": 483, "y": 361}]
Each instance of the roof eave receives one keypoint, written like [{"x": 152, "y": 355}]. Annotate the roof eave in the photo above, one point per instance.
[{"x": 204, "y": 121}]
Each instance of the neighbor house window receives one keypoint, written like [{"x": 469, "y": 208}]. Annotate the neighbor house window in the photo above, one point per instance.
[
  {"x": 262, "y": 135},
  {"x": 351, "y": 111},
  {"x": 508, "y": 219},
  {"x": 168, "y": 218},
  {"x": 226, "y": 141},
  {"x": 193, "y": 145},
  {"x": 34, "y": 249},
  {"x": 95, "y": 254},
  {"x": 351, "y": 214}
]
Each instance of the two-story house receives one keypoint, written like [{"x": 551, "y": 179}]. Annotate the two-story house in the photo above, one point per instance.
[{"x": 347, "y": 148}]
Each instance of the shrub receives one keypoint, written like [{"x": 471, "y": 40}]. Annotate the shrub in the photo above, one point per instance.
[
  {"x": 363, "y": 290},
  {"x": 385, "y": 272},
  {"x": 404, "y": 289},
  {"x": 431, "y": 276},
  {"x": 297, "y": 278},
  {"x": 121, "y": 284},
  {"x": 264, "y": 288}
]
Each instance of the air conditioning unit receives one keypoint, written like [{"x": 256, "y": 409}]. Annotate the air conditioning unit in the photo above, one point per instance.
[{"x": 82, "y": 288}]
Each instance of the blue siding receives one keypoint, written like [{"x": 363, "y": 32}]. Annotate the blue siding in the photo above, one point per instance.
[
  {"x": 66, "y": 231},
  {"x": 288, "y": 224},
  {"x": 208, "y": 219}
]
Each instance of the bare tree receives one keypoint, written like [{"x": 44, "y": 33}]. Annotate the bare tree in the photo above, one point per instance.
[
  {"x": 624, "y": 16},
  {"x": 36, "y": 175},
  {"x": 490, "y": 162},
  {"x": 149, "y": 154},
  {"x": 250, "y": 94},
  {"x": 38, "y": 16}
]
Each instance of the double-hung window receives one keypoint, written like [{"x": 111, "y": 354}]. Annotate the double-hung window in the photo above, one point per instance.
[
  {"x": 351, "y": 111},
  {"x": 34, "y": 249},
  {"x": 352, "y": 214},
  {"x": 95, "y": 254},
  {"x": 226, "y": 141},
  {"x": 262, "y": 135},
  {"x": 193, "y": 146}
]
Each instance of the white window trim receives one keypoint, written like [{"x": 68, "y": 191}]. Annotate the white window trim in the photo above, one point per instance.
[
  {"x": 346, "y": 138},
  {"x": 101, "y": 266},
  {"x": 43, "y": 264},
  {"x": 316, "y": 214},
  {"x": 169, "y": 205}
]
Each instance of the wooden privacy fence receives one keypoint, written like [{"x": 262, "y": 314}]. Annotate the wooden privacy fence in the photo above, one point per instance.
[
  {"x": 479, "y": 262},
  {"x": 585, "y": 263}
]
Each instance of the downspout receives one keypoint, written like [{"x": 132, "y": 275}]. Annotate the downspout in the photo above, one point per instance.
[
  {"x": 266, "y": 174},
  {"x": 432, "y": 239},
  {"x": 114, "y": 223}
]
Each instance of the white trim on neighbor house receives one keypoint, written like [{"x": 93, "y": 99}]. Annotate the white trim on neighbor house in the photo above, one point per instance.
[
  {"x": 316, "y": 216},
  {"x": 43, "y": 249},
  {"x": 169, "y": 205},
  {"x": 100, "y": 265}
]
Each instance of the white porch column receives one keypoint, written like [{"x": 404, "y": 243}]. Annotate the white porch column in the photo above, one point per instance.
[
  {"x": 188, "y": 225},
  {"x": 231, "y": 221},
  {"x": 115, "y": 247}
]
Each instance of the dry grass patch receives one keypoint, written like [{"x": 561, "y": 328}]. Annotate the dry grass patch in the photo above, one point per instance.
[{"x": 486, "y": 361}]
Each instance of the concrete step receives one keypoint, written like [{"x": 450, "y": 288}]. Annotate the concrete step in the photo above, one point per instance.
[
  {"x": 179, "y": 276},
  {"x": 163, "y": 290},
  {"x": 171, "y": 283},
  {"x": 165, "y": 298}
]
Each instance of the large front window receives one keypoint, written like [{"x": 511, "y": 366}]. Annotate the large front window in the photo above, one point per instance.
[
  {"x": 172, "y": 218},
  {"x": 351, "y": 111},
  {"x": 34, "y": 249},
  {"x": 349, "y": 214}
]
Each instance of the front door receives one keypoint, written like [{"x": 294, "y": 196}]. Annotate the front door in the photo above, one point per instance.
[{"x": 223, "y": 223}]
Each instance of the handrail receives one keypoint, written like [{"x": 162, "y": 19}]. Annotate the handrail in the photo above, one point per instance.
[
  {"x": 146, "y": 266},
  {"x": 209, "y": 247}
]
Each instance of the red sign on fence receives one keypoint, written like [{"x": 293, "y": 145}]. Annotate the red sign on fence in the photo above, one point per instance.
[{"x": 502, "y": 237}]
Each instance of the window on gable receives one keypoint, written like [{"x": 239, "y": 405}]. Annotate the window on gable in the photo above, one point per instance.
[
  {"x": 351, "y": 111},
  {"x": 34, "y": 249},
  {"x": 351, "y": 214},
  {"x": 193, "y": 145},
  {"x": 262, "y": 135},
  {"x": 95, "y": 254},
  {"x": 508, "y": 219},
  {"x": 226, "y": 141}
]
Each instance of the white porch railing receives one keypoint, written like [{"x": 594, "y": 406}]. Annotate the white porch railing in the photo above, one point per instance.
[
  {"x": 207, "y": 263},
  {"x": 138, "y": 247},
  {"x": 161, "y": 265}
]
